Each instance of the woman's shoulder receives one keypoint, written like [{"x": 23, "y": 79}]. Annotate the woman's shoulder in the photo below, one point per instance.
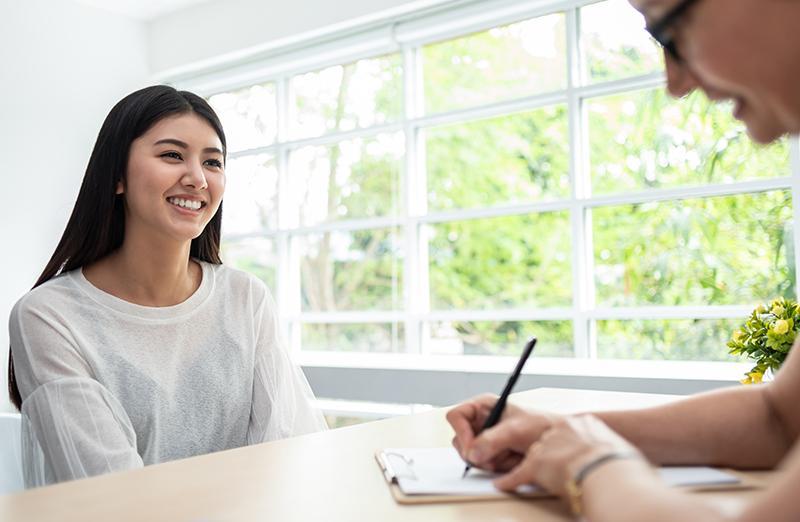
[
  {"x": 51, "y": 294},
  {"x": 239, "y": 281}
]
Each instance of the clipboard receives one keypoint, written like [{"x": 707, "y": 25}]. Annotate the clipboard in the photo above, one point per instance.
[{"x": 395, "y": 467}]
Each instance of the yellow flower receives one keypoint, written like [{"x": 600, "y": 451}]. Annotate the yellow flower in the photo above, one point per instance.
[
  {"x": 778, "y": 310},
  {"x": 761, "y": 309},
  {"x": 737, "y": 335},
  {"x": 781, "y": 326},
  {"x": 753, "y": 378}
]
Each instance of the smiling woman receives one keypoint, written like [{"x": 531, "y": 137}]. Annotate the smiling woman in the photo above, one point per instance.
[{"x": 136, "y": 346}]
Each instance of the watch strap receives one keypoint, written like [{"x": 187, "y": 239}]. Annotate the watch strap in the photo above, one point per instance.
[{"x": 574, "y": 485}]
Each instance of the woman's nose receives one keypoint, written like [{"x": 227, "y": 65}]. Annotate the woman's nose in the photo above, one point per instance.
[
  {"x": 680, "y": 78},
  {"x": 195, "y": 177}
]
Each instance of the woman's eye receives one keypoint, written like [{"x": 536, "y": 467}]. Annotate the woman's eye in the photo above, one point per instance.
[
  {"x": 172, "y": 155},
  {"x": 215, "y": 163}
]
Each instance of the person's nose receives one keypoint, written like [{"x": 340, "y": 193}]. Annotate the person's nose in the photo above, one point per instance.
[
  {"x": 680, "y": 78},
  {"x": 195, "y": 177}
]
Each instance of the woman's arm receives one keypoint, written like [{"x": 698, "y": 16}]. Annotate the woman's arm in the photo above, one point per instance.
[
  {"x": 619, "y": 492},
  {"x": 72, "y": 426},
  {"x": 282, "y": 403},
  {"x": 743, "y": 427},
  {"x": 627, "y": 489}
]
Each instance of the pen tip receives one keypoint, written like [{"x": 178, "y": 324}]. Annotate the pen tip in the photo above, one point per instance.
[{"x": 466, "y": 470}]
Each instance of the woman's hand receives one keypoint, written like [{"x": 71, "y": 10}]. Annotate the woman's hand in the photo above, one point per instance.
[
  {"x": 562, "y": 450},
  {"x": 503, "y": 446}
]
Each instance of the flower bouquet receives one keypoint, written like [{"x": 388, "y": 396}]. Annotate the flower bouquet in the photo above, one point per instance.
[{"x": 766, "y": 337}]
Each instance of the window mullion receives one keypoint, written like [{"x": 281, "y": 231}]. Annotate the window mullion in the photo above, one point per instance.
[
  {"x": 415, "y": 272},
  {"x": 579, "y": 215},
  {"x": 794, "y": 165}
]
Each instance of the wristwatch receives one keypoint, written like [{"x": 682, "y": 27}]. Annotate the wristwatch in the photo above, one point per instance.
[{"x": 574, "y": 485}]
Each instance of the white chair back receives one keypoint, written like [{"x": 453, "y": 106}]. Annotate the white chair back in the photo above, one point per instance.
[{"x": 11, "y": 479}]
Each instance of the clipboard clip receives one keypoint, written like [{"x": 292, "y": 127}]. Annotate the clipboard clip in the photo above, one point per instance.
[{"x": 389, "y": 461}]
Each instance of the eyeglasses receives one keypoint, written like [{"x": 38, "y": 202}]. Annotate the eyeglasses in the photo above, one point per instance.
[{"x": 661, "y": 30}]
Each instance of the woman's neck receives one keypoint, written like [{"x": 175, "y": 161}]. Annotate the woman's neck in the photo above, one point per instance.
[{"x": 147, "y": 274}]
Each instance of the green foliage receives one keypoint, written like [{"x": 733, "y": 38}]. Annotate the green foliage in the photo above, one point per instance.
[
  {"x": 504, "y": 262},
  {"x": 502, "y": 337},
  {"x": 359, "y": 270},
  {"x": 254, "y": 255},
  {"x": 661, "y": 339},
  {"x": 645, "y": 139},
  {"x": 372, "y": 337},
  {"x": 767, "y": 336},
  {"x": 528, "y": 159},
  {"x": 495, "y": 65},
  {"x": 723, "y": 250},
  {"x": 700, "y": 251}
]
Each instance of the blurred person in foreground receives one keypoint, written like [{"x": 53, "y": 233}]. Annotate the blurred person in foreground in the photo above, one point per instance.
[{"x": 745, "y": 51}]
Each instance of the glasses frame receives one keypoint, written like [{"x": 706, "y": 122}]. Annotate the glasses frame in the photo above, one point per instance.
[{"x": 660, "y": 28}]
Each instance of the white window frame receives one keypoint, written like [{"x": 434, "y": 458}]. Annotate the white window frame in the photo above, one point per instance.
[{"x": 441, "y": 380}]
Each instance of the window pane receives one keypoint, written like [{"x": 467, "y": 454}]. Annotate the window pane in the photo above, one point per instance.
[
  {"x": 255, "y": 255},
  {"x": 646, "y": 139},
  {"x": 339, "y": 413},
  {"x": 345, "y": 97},
  {"x": 353, "y": 179},
  {"x": 682, "y": 339},
  {"x": 504, "y": 262},
  {"x": 615, "y": 42},
  {"x": 358, "y": 270},
  {"x": 368, "y": 337},
  {"x": 711, "y": 251},
  {"x": 251, "y": 195},
  {"x": 513, "y": 61},
  {"x": 521, "y": 157},
  {"x": 249, "y": 116},
  {"x": 499, "y": 337}
]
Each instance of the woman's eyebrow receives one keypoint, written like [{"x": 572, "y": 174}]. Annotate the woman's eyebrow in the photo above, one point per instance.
[
  {"x": 172, "y": 141},
  {"x": 184, "y": 145}
]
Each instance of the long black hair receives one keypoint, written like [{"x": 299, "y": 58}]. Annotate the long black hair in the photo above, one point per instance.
[{"x": 97, "y": 224}]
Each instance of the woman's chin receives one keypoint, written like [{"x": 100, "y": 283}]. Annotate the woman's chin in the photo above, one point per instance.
[{"x": 764, "y": 134}]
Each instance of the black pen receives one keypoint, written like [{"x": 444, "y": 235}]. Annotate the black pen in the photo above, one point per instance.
[{"x": 500, "y": 405}]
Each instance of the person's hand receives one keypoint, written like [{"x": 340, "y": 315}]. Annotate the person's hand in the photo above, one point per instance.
[
  {"x": 562, "y": 450},
  {"x": 503, "y": 446}
]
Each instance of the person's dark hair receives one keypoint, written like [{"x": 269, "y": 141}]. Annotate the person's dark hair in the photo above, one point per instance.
[{"x": 97, "y": 224}]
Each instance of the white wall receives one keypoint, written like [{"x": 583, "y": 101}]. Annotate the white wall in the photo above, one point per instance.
[
  {"x": 206, "y": 31},
  {"x": 62, "y": 67}
]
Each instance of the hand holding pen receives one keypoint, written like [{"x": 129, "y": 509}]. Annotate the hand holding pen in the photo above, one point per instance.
[{"x": 500, "y": 404}]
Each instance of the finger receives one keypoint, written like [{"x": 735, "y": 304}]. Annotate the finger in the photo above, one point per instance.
[
  {"x": 506, "y": 435},
  {"x": 497, "y": 464},
  {"x": 459, "y": 448},
  {"x": 460, "y": 419},
  {"x": 467, "y": 418},
  {"x": 522, "y": 473},
  {"x": 507, "y": 461}
]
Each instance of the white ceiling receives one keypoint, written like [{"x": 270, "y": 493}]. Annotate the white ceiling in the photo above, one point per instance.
[{"x": 142, "y": 9}]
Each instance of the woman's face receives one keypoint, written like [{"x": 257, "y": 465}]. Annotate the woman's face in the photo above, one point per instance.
[
  {"x": 175, "y": 178},
  {"x": 746, "y": 51}
]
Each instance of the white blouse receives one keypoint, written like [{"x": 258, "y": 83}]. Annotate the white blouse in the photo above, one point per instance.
[{"x": 109, "y": 385}]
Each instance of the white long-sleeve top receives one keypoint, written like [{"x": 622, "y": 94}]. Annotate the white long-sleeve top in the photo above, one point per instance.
[{"x": 109, "y": 385}]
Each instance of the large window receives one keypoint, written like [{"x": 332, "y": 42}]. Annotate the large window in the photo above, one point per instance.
[{"x": 458, "y": 193}]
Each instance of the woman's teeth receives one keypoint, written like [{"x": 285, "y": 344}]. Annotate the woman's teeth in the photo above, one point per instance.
[{"x": 185, "y": 203}]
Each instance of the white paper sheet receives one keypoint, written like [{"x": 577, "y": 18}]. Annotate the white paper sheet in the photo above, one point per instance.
[{"x": 438, "y": 471}]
